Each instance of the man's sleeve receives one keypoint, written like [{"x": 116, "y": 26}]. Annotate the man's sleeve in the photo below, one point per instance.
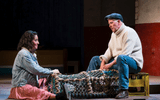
[{"x": 107, "y": 56}]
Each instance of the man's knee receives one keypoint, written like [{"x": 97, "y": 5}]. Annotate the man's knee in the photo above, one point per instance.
[
  {"x": 120, "y": 61},
  {"x": 120, "y": 57},
  {"x": 95, "y": 58}
]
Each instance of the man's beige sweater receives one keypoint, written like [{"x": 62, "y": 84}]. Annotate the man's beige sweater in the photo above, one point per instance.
[{"x": 125, "y": 41}]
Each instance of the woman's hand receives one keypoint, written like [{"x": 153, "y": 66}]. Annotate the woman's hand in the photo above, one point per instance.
[{"x": 55, "y": 71}]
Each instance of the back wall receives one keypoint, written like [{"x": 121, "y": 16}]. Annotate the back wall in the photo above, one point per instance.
[{"x": 96, "y": 30}]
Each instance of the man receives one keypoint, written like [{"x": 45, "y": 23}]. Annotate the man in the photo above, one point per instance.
[{"x": 124, "y": 53}]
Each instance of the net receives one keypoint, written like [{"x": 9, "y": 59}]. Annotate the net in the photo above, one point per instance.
[{"x": 96, "y": 83}]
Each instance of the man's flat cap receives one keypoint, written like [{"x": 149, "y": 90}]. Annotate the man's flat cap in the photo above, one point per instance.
[{"x": 114, "y": 16}]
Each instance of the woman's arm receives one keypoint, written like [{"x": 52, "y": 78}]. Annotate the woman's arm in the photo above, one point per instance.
[{"x": 33, "y": 67}]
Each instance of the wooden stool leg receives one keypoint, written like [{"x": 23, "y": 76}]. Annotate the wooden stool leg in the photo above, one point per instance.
[
  {"x": 141, "y": 80},
  {"x": 146, "y": 85}
]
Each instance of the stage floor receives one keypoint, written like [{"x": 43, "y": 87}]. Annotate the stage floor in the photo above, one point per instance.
[{"x": 154, "y": 81}]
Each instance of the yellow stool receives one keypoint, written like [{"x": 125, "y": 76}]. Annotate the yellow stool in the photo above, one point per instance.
[{"x": 139, "y": 80}]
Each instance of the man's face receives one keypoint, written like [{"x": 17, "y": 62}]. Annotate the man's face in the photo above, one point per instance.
[{"x": 114, "y": 24}]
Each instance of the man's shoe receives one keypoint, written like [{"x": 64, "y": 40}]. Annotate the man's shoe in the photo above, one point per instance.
[{"x": 122, "y": 94}]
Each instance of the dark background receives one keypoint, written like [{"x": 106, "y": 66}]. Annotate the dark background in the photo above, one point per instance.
[{"x": 60, "y": 25}]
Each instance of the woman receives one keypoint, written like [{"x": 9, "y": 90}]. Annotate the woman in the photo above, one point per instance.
[{"x": 26, "y": 71}]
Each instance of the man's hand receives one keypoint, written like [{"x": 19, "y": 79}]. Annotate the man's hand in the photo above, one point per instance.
[
  {"x": 102, "y": 64},
  {"x": 107, "y": 66}
]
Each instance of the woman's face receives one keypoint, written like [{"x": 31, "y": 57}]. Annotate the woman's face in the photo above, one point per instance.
[{"x": 35, "y": 42}]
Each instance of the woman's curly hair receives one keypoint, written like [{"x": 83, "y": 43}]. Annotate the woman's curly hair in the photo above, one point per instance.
[{"x": 26, "y": 40}]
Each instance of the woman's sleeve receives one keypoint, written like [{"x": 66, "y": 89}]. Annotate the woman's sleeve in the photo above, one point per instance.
[{"x": 34, "y": 68}]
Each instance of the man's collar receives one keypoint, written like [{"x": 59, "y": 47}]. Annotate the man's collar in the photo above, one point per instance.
[{"x": 120, "y": 29}]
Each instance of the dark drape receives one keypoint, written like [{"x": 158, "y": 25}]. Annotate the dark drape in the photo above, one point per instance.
[{"x": 59, "y": 23}]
